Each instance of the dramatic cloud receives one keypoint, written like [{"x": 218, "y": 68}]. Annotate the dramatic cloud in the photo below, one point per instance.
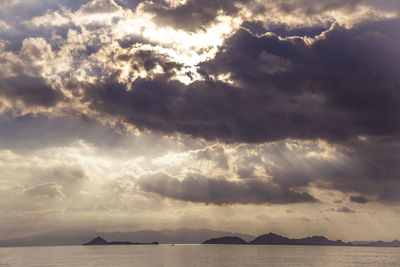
[
  {"x": 333, "y": 88},
  {"x": 31, "y": 91},
  {"x": 193, "y": 14},
  {"x": 344, "y": 210},
  {"x": 221, "y": 191},
  {"x": 358, "y": 199}
]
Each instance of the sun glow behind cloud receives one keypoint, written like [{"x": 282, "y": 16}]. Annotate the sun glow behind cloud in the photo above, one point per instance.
[
  {"x": 186, "y": 48},
  {"x": 182, "y": 47}
]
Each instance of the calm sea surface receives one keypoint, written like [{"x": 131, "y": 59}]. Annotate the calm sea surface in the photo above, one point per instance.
[{"x": 199, "y": 255}]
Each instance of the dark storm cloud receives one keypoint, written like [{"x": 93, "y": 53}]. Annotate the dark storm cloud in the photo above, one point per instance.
[
  {"x": 194, "y": 14},
  {"x": 282, "y": 30},
  {"x": 343, "y": 85},
  {"x": 150, "y": 59},
  {"x": 132, "y": 4},
  {"x": 362, "y": 170},
  {"x": 371, "y": 170},
  {"x": 344, "y": 210},
  {"x": 32, "y": 91},
  {"x": 256, "y": 27},
  {"x": 203, "y": 109},
  {"x": 309, "y": 7},
  {"x": 220, "y": 191},
  {"x": 358, "y": 199}
]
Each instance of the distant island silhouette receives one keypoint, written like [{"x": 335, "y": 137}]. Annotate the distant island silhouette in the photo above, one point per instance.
[
  {"x": 274, "y": 239},
  {"x": 226, "y": 240},
  {"x": 98, "y": 241},
  {"x": 179, "y": 236}
]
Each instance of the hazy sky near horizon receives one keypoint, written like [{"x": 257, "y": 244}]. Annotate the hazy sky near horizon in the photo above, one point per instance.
[{"x": 250, "y": 116}]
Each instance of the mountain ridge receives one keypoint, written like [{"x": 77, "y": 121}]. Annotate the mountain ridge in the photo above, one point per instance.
[{"x": 275, "y": 239}]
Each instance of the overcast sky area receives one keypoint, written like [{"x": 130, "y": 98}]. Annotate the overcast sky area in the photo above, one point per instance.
[{"x": 249, "y": 116}]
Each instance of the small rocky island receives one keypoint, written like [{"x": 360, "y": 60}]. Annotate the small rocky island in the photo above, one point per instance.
[{"x": 98, "y": 241}]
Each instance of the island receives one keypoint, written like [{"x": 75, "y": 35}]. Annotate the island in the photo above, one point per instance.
[
  {"x": 226, "y": 240},
  {"x": 99, "y": 241},
  {"x": 274, "y": 239}
]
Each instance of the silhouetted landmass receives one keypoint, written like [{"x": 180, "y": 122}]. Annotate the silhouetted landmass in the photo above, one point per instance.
[
  {"x": 98, "y": 241},
  {"x": 320, "y": 241},
  {"x": 394, "y": 243},
  {"x": 226, "y": 240},
  {"x": 77, "y": 237},
  {"x": 180, "y": 236},
  {"x": 274, "y": 239}
]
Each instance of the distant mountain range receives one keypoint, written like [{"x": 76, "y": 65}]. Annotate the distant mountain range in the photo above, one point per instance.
[
  {"x": 180, "y": 236},
  {"x": 79, "y": 237},
  {"x": 274, "y": 239}
]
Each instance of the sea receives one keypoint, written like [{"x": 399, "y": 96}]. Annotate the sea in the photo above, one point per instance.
[{"x": 199, "y": 255}]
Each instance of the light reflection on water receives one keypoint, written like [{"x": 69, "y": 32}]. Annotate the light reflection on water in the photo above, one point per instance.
[{"x": 199, "y": 255}]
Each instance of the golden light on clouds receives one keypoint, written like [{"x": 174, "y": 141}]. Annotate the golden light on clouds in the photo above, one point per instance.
[{"x": 182, "y": 47}]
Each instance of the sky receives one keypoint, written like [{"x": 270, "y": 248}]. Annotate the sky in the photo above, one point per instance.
[{"x": 249, "y": 116}]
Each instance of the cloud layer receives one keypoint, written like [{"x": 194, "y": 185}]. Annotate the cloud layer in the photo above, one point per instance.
[
  {"x": 342, "y": 85},
  {"x": 221, "y": 191}
]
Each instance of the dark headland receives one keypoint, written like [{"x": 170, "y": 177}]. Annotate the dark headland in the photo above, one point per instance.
[
  {"x": 98, "y": 241},
  {"x": 274, "y": 239}
]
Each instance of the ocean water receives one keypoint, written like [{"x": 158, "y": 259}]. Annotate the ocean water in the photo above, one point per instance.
[{"x": 199, "y": 255}]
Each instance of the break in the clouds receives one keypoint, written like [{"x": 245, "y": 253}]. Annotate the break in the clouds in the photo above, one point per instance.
[{"x": 116, "y": 109}]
